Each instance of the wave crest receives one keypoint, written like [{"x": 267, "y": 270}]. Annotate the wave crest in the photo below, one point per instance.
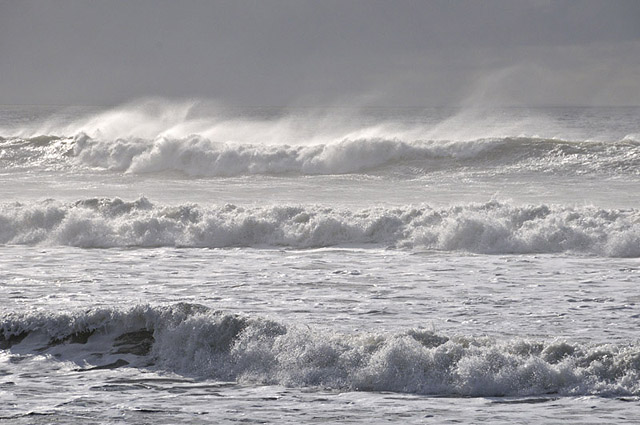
[
  {"x": 490, "y": 228},
  {"x": 198, "y": 156},
  {"x": 196, "y": 341}
]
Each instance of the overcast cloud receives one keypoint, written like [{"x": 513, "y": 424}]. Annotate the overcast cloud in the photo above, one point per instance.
[{"x": 267, "y": 52}]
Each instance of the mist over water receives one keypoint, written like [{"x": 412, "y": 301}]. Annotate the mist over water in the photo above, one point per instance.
[
  {"x": 171, "y": 246},
  {"x": 157, "y": 117},
  {"x": 301, "y": 211},
  {"x": 199, "y": 139}
]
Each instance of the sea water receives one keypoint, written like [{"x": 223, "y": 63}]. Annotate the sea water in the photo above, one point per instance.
[{"x": 166, "y": 262}]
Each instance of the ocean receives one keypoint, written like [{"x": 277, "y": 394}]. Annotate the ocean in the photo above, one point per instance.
[{"x": 184, "y": 262}]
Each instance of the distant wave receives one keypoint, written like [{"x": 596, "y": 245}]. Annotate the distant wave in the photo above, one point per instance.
[
  {"x": 491, "y": 228},
  {"x": 197, "y": 156},
  {"x": 194, "y": 340}
]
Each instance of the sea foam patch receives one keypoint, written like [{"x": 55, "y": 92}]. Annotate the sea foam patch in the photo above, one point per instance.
[{"x": 488, "y": 228}]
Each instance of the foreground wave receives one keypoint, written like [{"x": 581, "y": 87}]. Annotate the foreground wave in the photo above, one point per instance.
[
  {"x": 195, "y": 341},
  {"x": 197, "y": 156},
  {"x": 490, "y": 228}
]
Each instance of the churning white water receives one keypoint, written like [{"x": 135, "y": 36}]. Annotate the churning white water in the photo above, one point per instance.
[{"x": 182, "y": 262}]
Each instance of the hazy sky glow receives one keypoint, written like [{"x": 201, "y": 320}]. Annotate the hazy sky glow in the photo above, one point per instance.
[{"x": 266, "y": 52}]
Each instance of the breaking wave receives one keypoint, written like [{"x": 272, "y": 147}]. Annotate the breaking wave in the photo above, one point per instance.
[
  {"x": 200, "y": 139},
  {"x": 490, "y": 228},
  {"x": 197, "y": 156},
  {"x": 194, "y": 340}
]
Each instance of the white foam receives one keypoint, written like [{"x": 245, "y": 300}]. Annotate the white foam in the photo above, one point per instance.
[
  {"x": 198, "y": 138},
  {"x": 195, "y": 341},
  {"x": 196, "y": 156},
  {"x": 490, "y": 228}
]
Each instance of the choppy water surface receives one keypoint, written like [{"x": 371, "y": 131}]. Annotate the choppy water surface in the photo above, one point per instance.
[{"x": 165, "y": 262}]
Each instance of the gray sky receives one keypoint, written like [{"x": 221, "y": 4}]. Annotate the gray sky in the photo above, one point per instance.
[{"x": 317, "y": 52}]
